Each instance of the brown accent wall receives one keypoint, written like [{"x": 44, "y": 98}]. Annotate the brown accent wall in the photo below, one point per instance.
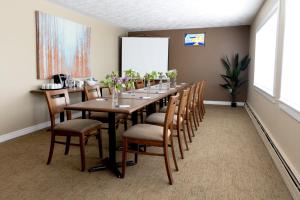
[{"x": 196, "y": 63}]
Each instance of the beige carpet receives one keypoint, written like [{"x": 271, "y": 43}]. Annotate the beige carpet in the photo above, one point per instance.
[{"x": 227, "y": 160}]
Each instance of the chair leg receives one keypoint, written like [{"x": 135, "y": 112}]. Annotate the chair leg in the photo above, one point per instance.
[
  {"x": 197, "y": 117},
  {"x": 203, "y": 108},
  {"x": 125, "y": 124},
  {"x": 167, "y": 164},
  {"x": 173, "y": 154},
  {"x": 179, "y": 141},
  {"x": 184, "y": 136},
  {"x": 136, "y": 155},
  {"x": 194, "y": 119},
  {"x": 124, "y": 156},
  {"x": 191, "y": 126},
  {"x": 51, "y": 149},
  {"x": 142, "y": 116},
  {"x": 100, "y": 143},
  {"x": 200, "y": 113},
  {"x": 188, "y": 129},
  {"x": 67, "y": 147},
  {"x": 82, "y": 153}
]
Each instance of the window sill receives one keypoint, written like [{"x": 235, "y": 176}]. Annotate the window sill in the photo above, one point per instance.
[
  {"x": 265, "y": 94},
  {"x": 290, "y": 110}
]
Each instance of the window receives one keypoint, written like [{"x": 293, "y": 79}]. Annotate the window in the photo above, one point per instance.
[
  {"x": 290, "y": 80},
  {"x": 265, "y": 54}
]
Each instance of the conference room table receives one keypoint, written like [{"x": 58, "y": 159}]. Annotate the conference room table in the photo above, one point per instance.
[{"x": 128, "y": 103}]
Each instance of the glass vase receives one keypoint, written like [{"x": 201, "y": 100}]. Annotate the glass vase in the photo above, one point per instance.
[
  {"x": 132, "y": 90},
  {"x": 115, "y": 97},
  {"x": 160, "y": 84},
  {"x": 148, "y": 87},
  {"x": 173, "y": 82}
]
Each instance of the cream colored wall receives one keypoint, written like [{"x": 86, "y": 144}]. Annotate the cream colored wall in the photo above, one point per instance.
[
  {"x": 18, "y": 107},
  {"x": 284, "y": 130}
]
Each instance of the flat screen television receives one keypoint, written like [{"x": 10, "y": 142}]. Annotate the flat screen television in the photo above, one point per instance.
[{"x": 194, "y": 39}]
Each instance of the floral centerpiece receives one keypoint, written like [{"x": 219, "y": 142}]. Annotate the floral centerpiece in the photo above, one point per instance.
[
  {"x": 116, "y": 84},
  {"x": 172, "y": 74}
]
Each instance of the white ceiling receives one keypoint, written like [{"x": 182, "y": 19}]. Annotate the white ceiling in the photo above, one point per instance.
[{"x": 137, "y": 15}]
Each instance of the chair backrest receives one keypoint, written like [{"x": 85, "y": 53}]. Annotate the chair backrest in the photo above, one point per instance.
[
  {"x": 168, "y": 125},
  {"x": 139, "y": 84},
  {"x": 57, "y": 100},
  {"x": 182, "y": 104},
  {"x": 92, "y": 92},
  {"x": 190, "y": 100}
]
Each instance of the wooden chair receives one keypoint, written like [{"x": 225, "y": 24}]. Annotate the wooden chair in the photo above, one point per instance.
[
  {"x": 152, "y": 135},
  {"x": 188, "y": 114},
  {"x": 82, "y": 128},
  {"x": 93, "y": 92},
  {"x": 178, "y": 123}
]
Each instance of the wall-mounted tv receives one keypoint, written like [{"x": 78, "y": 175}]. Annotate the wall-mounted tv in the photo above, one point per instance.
[{"x": 194, "y": 39}]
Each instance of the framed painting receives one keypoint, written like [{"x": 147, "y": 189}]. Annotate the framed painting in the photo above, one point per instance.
[
  {"x": 63, "y": 47},
  {"x": 194, "y": 39}
]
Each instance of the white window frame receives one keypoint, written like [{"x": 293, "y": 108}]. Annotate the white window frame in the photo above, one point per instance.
[
  {"x": 268, "y": 96},
  {"x": 283, "y": 105}
]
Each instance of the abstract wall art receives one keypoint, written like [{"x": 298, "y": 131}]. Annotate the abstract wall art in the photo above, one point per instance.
[
  {"x": 194, "y": 39},
  {"x": 63, "y": 47}
]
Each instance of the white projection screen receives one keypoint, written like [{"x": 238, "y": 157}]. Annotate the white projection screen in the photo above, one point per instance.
[{"x": 145, "y": 54}]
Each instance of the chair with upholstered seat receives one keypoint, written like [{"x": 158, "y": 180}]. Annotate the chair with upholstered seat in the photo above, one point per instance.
[
  {"x": 178, "y": 123},
  {"x": 188, "y": 115},
  {"x": 152, "y": 135},
  {"x": 81, "y": 128},
  {"x": 93, "y": 92}
]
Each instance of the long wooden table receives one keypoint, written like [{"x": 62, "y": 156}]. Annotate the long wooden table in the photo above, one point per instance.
[{"x": 128, "y": 104}]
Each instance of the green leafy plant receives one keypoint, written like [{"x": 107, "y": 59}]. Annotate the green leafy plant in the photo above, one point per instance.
[
  {"x": 171, "y": 74},
  {"x": 150, "y": 76},
  {"x": 232, "y": 77},
  {"x": 132, "y": 76},
  {"x": 113, "y": 80}
]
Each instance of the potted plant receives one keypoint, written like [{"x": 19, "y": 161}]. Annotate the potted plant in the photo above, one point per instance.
[
  {"x": 172, "y": 74},
  {"x": 132, "y": 76},
  {"x": 232, "y": 76}
]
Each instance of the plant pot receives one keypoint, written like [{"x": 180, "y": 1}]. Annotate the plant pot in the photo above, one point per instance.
[{"x": 233, "y": 104}]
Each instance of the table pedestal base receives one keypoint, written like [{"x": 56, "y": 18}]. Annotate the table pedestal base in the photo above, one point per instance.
[{"x": 106, "y": 164}]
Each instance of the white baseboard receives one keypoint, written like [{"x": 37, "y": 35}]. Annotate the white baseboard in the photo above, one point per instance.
[
  {"x": 278, "y": 163},
  {"x": 222, "y": 103},
  {"x": 30, "y": 129}
]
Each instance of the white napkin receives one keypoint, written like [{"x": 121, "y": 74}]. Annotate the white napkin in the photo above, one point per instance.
[
  {"x": 145, "y": 97},
  {"x": 101, "y": 99},
  {"x": 123, "y": 106}
]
